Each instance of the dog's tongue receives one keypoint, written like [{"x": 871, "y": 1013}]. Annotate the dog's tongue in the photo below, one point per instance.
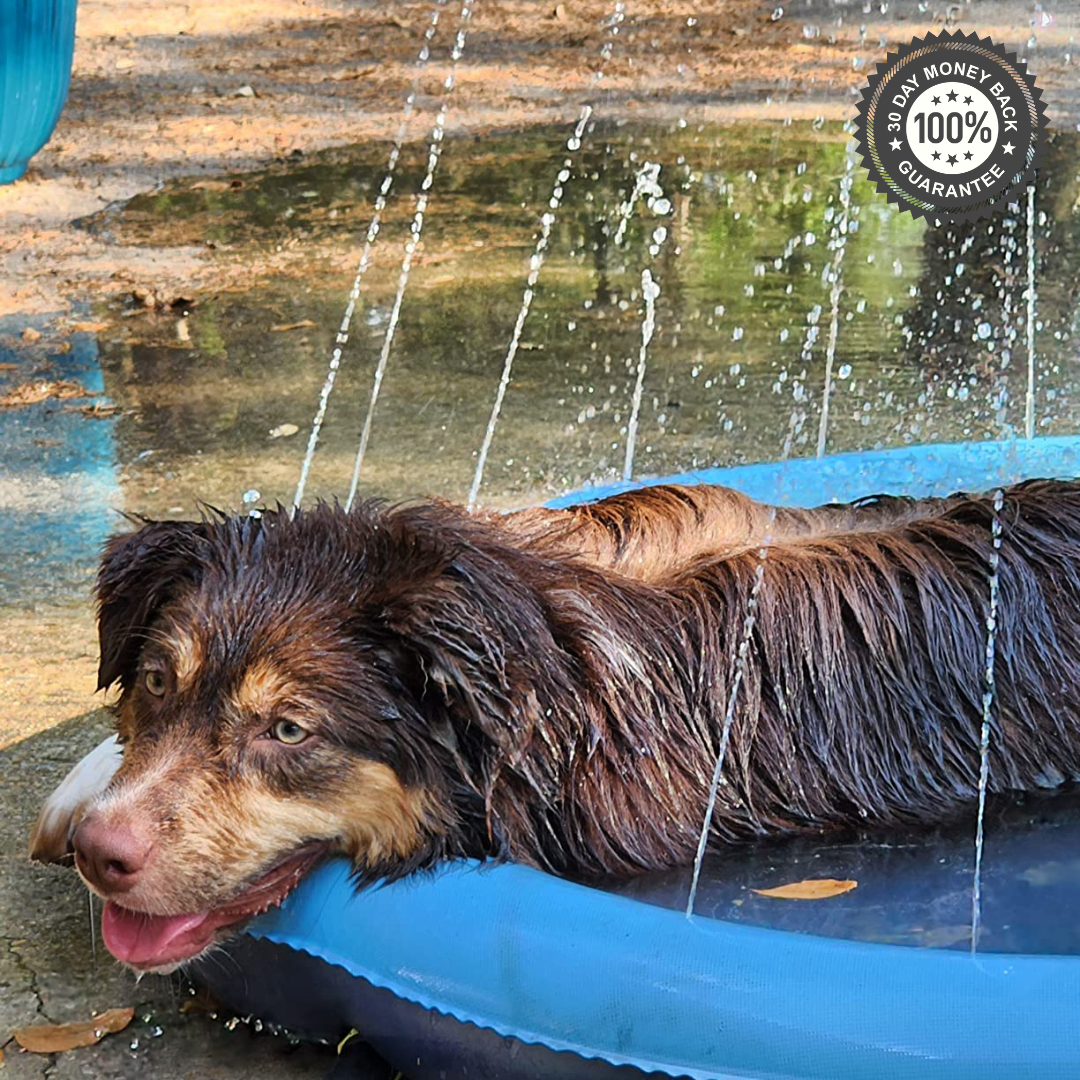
[{"x": 148, "y": 940}]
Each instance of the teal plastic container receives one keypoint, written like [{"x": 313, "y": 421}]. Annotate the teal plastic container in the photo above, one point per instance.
[{"x": 37, "y": 40}]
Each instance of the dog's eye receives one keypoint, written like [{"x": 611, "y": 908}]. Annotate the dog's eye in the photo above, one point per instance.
[
  {"x": 155, "y": 683},
  {"x": 285, "y": 731}
]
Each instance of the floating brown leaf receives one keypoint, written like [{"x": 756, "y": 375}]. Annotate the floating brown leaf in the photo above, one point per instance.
[
  {"x": 56, "y": 1038},
  {"x": 811, "y": 889},
  {"x": 281, "y": 328}
]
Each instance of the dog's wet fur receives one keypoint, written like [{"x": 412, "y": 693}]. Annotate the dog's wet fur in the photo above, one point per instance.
[{"x": 551, "y": 686}]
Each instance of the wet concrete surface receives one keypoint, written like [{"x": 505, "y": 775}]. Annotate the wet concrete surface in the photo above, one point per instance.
[{"x": 198, "y": 391}]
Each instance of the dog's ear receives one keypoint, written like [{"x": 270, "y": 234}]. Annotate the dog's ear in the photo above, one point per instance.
[
  {"x": 452, "y": 644},
  {"x": 139, "y": 572},
  {"x": 478, "y": 640}
]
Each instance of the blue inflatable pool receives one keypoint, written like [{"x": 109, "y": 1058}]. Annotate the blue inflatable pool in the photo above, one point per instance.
[{"x": 507, "y": 972}]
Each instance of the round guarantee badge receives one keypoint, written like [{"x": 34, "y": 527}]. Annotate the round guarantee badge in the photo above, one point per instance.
[{"x": 951, "y": 127}]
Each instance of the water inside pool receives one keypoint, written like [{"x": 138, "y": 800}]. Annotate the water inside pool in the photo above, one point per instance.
[{"x": 913, "y": 889}]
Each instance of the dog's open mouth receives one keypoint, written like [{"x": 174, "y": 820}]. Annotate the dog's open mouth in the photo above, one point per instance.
[{"x": 154, "y": 942}]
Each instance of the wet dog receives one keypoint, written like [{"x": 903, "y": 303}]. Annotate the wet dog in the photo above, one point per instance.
[{"x": 409, "y": 684}]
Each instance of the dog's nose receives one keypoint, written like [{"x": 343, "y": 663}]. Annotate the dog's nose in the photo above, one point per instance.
[{"x": 110, "y": 857}]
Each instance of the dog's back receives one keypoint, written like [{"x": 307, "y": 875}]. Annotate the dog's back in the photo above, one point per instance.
[
  {"x": 647, "y": 532},
  {"x": 862, "y": 691}
]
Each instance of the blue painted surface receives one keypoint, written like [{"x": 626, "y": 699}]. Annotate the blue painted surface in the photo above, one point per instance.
[
  {"x": 548, "y": 961},
  {"x": 37, "y": 39},
  {"x": 58, "y": 476}
]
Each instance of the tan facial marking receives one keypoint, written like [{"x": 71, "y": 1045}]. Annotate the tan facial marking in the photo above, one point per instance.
[
  {"x": 186, "y": 653},
  {"x": 385, "y": 817},
  {"x": 263, "y": 687},
  {"x": 370, "y": 815}
]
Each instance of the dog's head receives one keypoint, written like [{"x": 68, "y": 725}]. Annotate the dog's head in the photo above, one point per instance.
[{"x": 289, "y": 688}]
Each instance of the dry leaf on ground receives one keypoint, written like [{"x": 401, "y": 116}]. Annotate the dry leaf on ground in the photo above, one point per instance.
[
  {"x": 283, "y": 431},
  {"x": 100, "y": 410},
  {"x": 282, "y": 327},
  {"x": 348, "y": 74},
  {"x": 811, "y": 889},
  {"x": 56, "y": 1038},
  {"x": 31, "y": 393}
]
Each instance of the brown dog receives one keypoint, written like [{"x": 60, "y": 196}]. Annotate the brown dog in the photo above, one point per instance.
[{"x": 410, "y": 684}]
